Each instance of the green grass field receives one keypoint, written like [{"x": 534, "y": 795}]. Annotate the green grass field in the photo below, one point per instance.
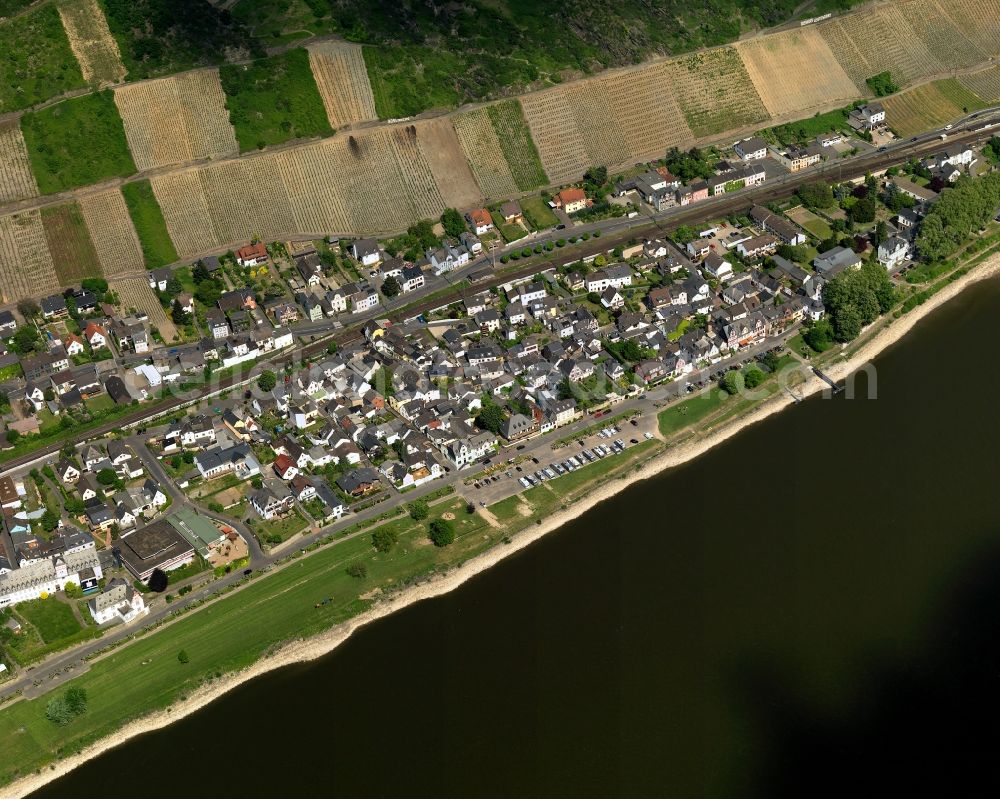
[
  {"x": 53, "y": 619},
  {"x": 274, "y": 99},
  {"x": 690, "y": 411},
  {"x": 518, "y": 148},
  {"x": 408, "y": 80},
  {"x": 77, "y": 142},
  {"x": 157, "y": 248},
  {"x": 537, "y": 213},
  {"x": 36, "y": 61}
]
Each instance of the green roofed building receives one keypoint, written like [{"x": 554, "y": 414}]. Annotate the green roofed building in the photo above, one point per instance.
[{"x": 199, "y": 531}]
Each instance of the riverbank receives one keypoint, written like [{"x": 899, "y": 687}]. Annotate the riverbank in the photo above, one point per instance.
[{"x": 877, "y": 341}]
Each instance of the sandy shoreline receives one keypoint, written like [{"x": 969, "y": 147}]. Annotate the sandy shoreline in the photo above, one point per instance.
[{"x": 322, "y": 644}]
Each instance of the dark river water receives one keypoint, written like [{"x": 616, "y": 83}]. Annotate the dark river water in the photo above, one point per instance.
[{"x": 809, "y": 609}]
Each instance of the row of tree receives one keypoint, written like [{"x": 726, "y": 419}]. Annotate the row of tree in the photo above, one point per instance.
[{"x": 956, "y": 215}]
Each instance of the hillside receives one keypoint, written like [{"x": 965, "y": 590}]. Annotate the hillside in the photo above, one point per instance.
[{"x": 327, "y": 165}]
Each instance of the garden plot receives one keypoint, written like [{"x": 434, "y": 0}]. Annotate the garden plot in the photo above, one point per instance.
[
  {"x": 795, "y": 72},
  {"x": 177, "y": 119},
  {"x": 135, "y": 294},
  {"x": 449, "y": 170},
  {"x": 715, "y": 92},
  {"x": 73, "y": 253},
  {"x": 112, "y": 232},
  {"x": 945, "y": 40},
  {"x": 481, "y": 145},
  {"x": 91, "y": 41},
  {"x": 342, "y": 80},
  {"x": 875, "y": 40},
  {"x": 246, "y": 199},
  {"x": 185, "y": 210},
  {"x": 26, "y": 268},
  {"x": 16, "y": 178}
]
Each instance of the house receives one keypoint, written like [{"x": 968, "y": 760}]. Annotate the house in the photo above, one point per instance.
[
  {"x": 117, "y": 390},
  {"x": 285, "y": 467},
  {"x": 155, "y": 546},
  {"x": 221, "y": 460},
  {"x": 751, "y": 149},
  {"x": 118, "y": 601},
  {"x": 270, "y": 505},
  {"x": 252, "y": 255},
  {"x": 366, "y": 251},
  {"x": 867, "y": 117},
  {"x": 718, "y": 267},
  {"x": 359, "y": 482},
  {"x": 517, "y": 426},
  {"x": 96, "y": 335},
  {"x": 158, "y": 278},
  {"x": 613, "y": 276},
  {"x": 835, "y": 261},
  {"x": 74, "y": 345},
  {"x": 8, "y": 324},
  {"x": 480, "y": 221},
  {"x": 758, "y": 246},
  {"x": 795, "y": 159},
  {"x": 612, "y": 298},
  {"x": 777, "y": 225},
  {"x": 698, "y": 248},
  {"x": 364, "y": 300},
  {"x": 217, "y": 323},
  {"x": 571, "y": 200},
  {"x": 911, "y": 189},
  {"x": 511, "y": 212},
  {"x": 54, "y": 306},
  {"x": 310, "y": 269},
  {"x": 893, "y": 252},
  {"x": 412, "y": 279}
]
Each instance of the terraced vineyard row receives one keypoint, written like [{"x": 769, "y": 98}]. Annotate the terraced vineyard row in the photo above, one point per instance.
[
  {"x": 26, "y": 268},
  {"x": 112, "y": 232},
  {"x": 928, "y": 106},
  {"x": 91, "y": 41},
  {"x": 342, "y": 80},
  {"x": 17, "y": 181},
  {"x": 945, "y": 40},
  {"x": 715, "y": 92},
  {"x": 481, "y": 146},
  {"x": 985, "y": 84}
]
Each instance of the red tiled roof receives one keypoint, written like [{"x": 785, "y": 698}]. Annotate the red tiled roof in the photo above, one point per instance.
[
  {"x": 257, "y": 250},
  {"x": 571, "y": 195}
]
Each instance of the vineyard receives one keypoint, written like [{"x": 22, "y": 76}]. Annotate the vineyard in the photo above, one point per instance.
[
  {"x": 26, "y": 268},
  {"x": 985, "y": 84},
  {"x": 342, "y": 80},
  {"x": 177, "y": 119},
  {"x": 481, "y": 146},
  {"x": 312, "y": 187},
  {"x": 16, "y": 178},
  {"x": 646, "y": 118},
  {"x": 554, "y": 129},
  {"x": 942, "y": 37},
  {"x": 91, "y": 41},
  {"x": 981, "y": 20},
  {"x": 72, "y": 251},
  {"x": 928, "y": 106},
  {"x": 715, "y": 92},
  {"x": 185, "y": 211},
  {"x": 518, "y": 149},
  {"x": 795, "y": 72},
  {"x": 247, "y": 199},
  {"x": 134, "y": 294},
  {"x": 878, "y": 40},
  {"x": 111, "y": 231},
  {"x": 37, "y": 61}
]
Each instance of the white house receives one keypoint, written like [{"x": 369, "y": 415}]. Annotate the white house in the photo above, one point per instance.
[
  {"x": 718, "y": 267},
  {"x": 751, "y": 149},
  {"x": 117, "y": 602},
  {"x": 366, "y": 251},
  {"x": 892, "y": 252},
  {"x": 613, "y": 277}
]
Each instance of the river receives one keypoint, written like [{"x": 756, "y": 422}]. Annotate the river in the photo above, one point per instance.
[{"x": 809, "y": 609}]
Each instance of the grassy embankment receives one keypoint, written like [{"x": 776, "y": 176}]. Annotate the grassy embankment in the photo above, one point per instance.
[
  {"x": 37, "y": 61},
  {"x": 150, "y": 226}
]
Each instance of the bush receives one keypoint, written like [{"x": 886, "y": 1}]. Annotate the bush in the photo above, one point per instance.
[
  {"x": 66, "y": 707},
  {"x": 182, "y": 656},
  {"x": 442, "y": 532},
  {"x": 358, "y": 570}
]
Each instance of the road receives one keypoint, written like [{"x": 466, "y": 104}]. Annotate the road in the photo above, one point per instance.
[{"x": 614, "y": 233}]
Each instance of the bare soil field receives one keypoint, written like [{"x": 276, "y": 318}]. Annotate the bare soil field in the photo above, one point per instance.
[
  {"x": 134, "y": 293},
  {"x": 185, "y": 210},
  {"x": 73, "y": 253},
  {"x": 177, "y": 119},
  {"x": 91, "y": 41},
  {"x": 342, "y": 80},
  {"x": 26, "y": 268},
  {"x": 795, "y": 72},
  {"x": 440, "y": 148},
  {"x": 715, "y": 92},
  {"x": 112, "y": 232},
  {"x": 481, "y": 145},
  {"x": 17, "y": 181},
  {"x": 878, "y": 39}
]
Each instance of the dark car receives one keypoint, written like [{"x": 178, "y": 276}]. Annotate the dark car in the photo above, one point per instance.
[{"x": 247, "y": 572}]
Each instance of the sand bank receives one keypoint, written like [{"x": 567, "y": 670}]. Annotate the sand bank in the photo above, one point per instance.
[{"x": 317, "y": 646}]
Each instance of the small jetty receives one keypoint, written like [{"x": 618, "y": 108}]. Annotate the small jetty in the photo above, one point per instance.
[{"x": 828, "y": 380}]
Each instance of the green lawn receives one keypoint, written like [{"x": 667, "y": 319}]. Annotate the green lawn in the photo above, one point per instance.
[
  {"x": 274, "y": 99},
  {"x": 279, "y": 530},
  {"x": 77, "y": 142},
  {"x": 232, "y": 633},
  {"x": 157, "y": 248},
  {"x": 537, "y": 213},
  {"x": 53, "y": 619},
  {"x": 690, "y": 411},
  {"x": 37, "y": 62}
]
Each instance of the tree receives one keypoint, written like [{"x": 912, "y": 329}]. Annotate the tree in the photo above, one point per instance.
[
  {"x": 490, "y": 417},
  {"x": 732, "y": 382},
  {"x": 200, "y": 273},
  {"x": 64, "y": 708},
  {"x": 50, "y": 520},
  {"x": 453, "y": 223},
  {"x": 28, "y": 308},
  {"x": 12, "y": 435},
  {"x": 391, "y": 287},
  {"x": 107, "y": 477},
  {"x": 683, "y": 234},
  {"x": 157, "y": 581},
  {"x": 182, "y": 656},
  {"x": 178, "y": 314},
  {"x": 442, "y": 532},
  {"x": 819, "y": 335},
  {"x": 882, "y": 84},
  {"x": 267, "y": 380},
  {"x": 26, "y": 340},
  {"x": 770, "y": 361},
  {"x": 816, "y": 195},
  {"x": 419, "y": 510},
  {"x": 754, "y": 377},
  {"x": 357, "y": 570},
  {"x": 863, "y": 211},
  {"x": 208, "y": 292},
  {"x": 383, "y": 540}
]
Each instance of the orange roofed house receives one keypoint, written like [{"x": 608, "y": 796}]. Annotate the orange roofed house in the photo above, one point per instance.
[
  {"x": 480, "y": 220},
  {"x": 252, "y": 255},
  {"x": 571, "y": 200}
]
